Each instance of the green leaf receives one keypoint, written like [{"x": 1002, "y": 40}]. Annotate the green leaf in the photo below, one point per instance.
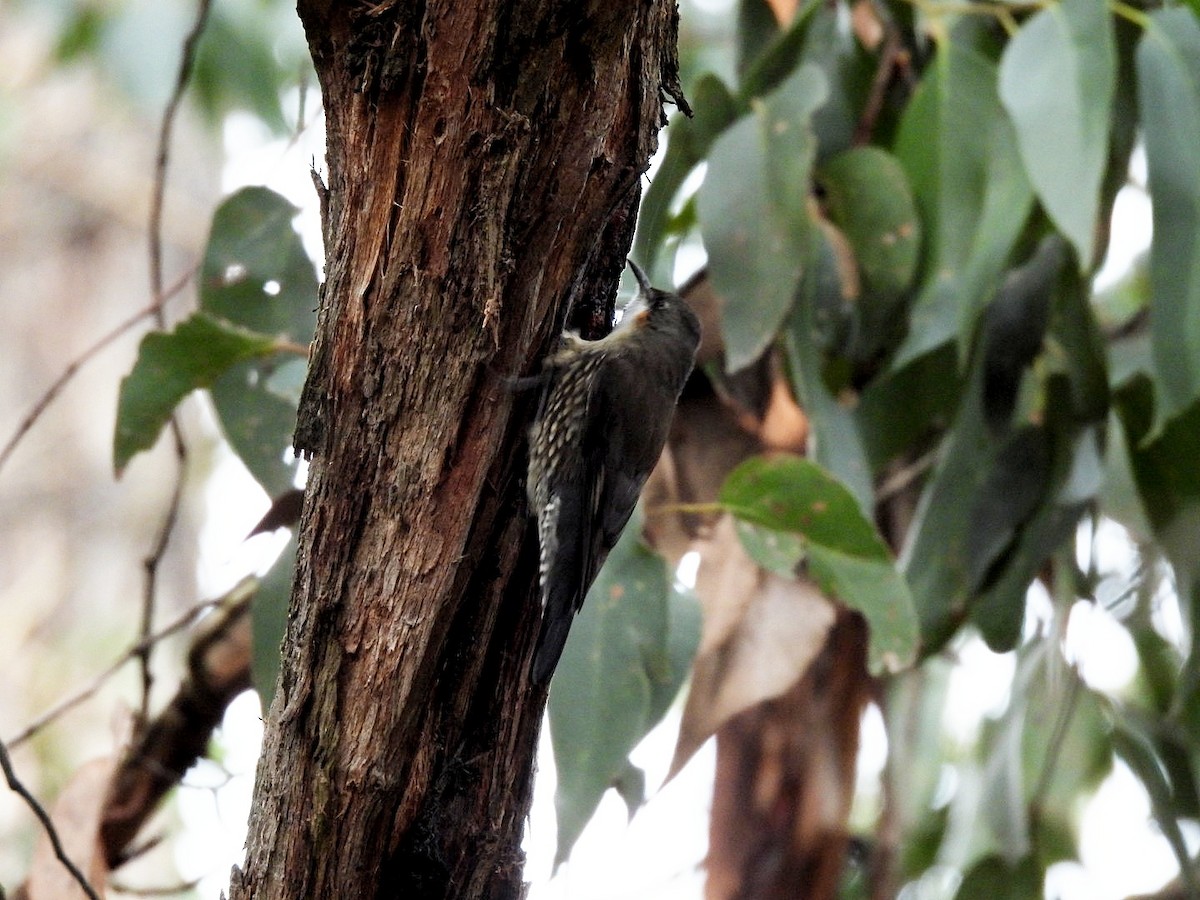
[
  {"x": 684, "y": 622},
  {"x": 269, "y": 613},
  {"x": 1168, "y": 71},
  {"x": 846, "y": 555},
  {"x": 776, "y": 551},
  {"x": 901, "y": 408},
  {"x": 1057, "y": 79},
  {"x": 875, "y": 589},
  {"x": 1119, "y": 499},
  {"x": 790, "y": 493},
  {"x": 1065, "y": 744},
  {"x": 168, "y": 368},
  {"x": 1014, "y": 489},
  {"x": 624, "y": 661},
  {"x": 245, "y": 58},
  {"x": 1071, "y": 472},
  {"x": 916, "y": 702},
  {"x": 972, "y": 192},
  {"x": 689, "y": 140},
  {"x": 255, "y": 271},
  {"x": 850, "y": 71},
  {"x": 257, "y": 274},
  {"x": 996, "y": 879},
  {"x": 935, "y": 557},
  {"x": 779, "y": 59},
  {"x": 81, "y": 33},
  {"x": 258, "y": 415},
  {"x": 868, "y": 198},
  {"x": 834, "y": 438},
  {"x": 757, "y": 28},
  {"x": 754, "y": 216},
  {"x": 1168, "y": 481},
  {"x": 999, "y": 610},
  {"x": 1015, "y": 328},
  {"x": 630, "y": 785}
]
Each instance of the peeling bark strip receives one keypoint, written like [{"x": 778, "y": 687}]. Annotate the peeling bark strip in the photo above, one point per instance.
[{"x": 484, "y": 162}]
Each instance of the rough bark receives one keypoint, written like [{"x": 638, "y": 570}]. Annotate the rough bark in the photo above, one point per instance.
[{"x": 484, "y": 162}]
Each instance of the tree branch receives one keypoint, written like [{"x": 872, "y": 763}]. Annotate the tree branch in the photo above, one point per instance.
[{"x": 218, "y": 670}]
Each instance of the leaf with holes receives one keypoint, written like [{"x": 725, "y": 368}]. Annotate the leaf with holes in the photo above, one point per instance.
[
  {"x": 256, "y": 274},
  {"x": 170, "y": 366}
]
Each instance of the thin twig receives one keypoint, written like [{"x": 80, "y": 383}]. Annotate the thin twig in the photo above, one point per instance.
[
  {"x": 68, "y": 703},
  {"x": 149, "y": 585},
  {"x": 152, "y": 562},
  {"x": 83, "y": 359},
  {"x": 184, "y": 75},
  {"x": 884, "y": 72},
  {"x": 31, "y": 801},
  {"x": 285, "y": 346},
  {"x": 699, "y": 509},
  {"x": 899, "y": 480}
]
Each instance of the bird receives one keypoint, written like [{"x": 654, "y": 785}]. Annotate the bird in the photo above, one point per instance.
[{"x": 603, "y": 418}]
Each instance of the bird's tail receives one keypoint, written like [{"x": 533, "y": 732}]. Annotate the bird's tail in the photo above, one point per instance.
[{"x": 551, "y": 641}]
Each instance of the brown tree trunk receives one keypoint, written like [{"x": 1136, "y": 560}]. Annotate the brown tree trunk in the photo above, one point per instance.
[
  {"x": 785, "y": 781},
  {"x": 484, "y": 162}
]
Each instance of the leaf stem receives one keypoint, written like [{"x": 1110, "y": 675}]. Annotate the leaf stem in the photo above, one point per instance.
[{"x": 1130, "y": 14}]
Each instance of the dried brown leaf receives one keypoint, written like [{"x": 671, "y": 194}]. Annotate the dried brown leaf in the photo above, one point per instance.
[
  {"x": 784, "y": 425},
  {"x": 761, "y": 634},
  {"x": 785, "y": 10},
  {"x": 284, "y": 512}
]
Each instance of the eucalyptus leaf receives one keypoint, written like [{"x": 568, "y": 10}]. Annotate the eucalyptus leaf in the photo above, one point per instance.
[
  {"x": 1063, "y": 132},
  {"x": 1168, "y": 71},
  {"x": 688, "y": 143},
  {"x": 973, "y": 195},
  {"x": 620, "y": 666},
  {"x": 845, "y": 554},
  {"x": 257, "y": 274},
  {"x": 269, "y": 613},
  {"x": 753, "y": 210},
  {"x": 834, "y": 441},
  {"x": 868, "y": 198}
]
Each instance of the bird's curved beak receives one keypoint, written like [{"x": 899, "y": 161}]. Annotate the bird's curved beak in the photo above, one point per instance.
[{"x": 642, "y": 280}]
